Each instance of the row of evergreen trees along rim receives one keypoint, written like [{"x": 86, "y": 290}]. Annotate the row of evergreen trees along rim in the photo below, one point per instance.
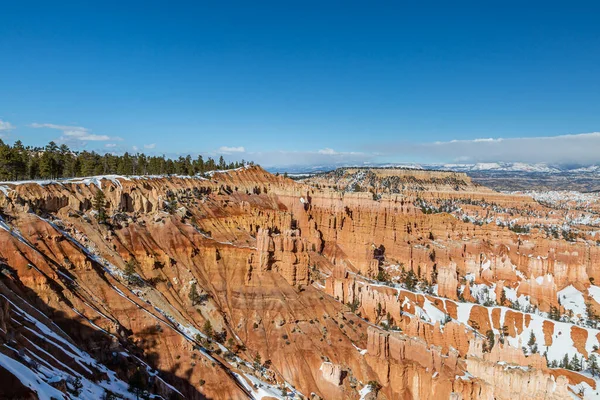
[{"x": 18, "y": 162}]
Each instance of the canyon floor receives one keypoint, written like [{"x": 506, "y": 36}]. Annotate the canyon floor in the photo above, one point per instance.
[{"x": 353, "y": 284}]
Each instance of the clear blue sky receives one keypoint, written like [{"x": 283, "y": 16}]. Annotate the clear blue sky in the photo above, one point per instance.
[{"x": 343, "y": 78}]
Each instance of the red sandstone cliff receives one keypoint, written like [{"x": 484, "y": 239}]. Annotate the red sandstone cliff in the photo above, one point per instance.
[{"x": 248, "y": 284}]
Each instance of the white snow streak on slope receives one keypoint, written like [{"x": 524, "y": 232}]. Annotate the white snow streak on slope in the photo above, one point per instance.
[
  {"x": 572, "y": 299},
  {"x": 433, "y": 312},
  {"x": 464, "y": 312},
  {"x": 258, "y": 388},
  {"x": 364, "y": 392},
  {"x": 594, "y": 291},
  {"x": 588, "y": 392},
  {"x": 562, "y": 343},
  {"x": 90, "y": 390},
  {"x": 30, "y": 378}
]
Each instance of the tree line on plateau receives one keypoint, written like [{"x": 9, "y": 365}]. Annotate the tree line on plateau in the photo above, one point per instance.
[{"x": 18, "y": 162}]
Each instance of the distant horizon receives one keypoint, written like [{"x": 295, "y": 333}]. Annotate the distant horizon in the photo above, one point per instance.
[
  {"x": 454, "y": 167},
  {"x": 578, "y": 150}
]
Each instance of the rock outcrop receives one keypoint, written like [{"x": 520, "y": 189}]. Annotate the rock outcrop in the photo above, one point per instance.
[{"x": 244, "y": 284}]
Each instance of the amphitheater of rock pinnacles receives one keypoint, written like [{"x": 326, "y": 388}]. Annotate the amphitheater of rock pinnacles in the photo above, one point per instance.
[{"x": 356, "y": 284}]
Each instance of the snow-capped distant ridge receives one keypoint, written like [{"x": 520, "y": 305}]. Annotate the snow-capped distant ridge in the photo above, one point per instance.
[
  {"x": 404, "y": 166},
  {"x": 503, "y": 166},
  {"x": 588, "y": 169},
  {"x": 492, "y": 167}
]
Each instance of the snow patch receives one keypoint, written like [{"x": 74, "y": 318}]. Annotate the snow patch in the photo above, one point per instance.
[{"x": 572, "y": 299}]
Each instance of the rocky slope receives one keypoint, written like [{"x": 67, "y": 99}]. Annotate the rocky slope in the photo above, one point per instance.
[{"x": 242, "y": 284}]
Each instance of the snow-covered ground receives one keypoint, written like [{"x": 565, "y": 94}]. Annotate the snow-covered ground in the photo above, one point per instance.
[
  {"x": 572, "y": 299},
  {"x": 560, "y": 197},
  {"x": 39, "y": 375}
]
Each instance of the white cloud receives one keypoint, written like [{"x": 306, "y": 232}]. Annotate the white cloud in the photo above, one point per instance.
[
  {"x": 110, "y": 145},
  {"x": 75, "y": 132},
  {"x": 6, "y": 126},
  {"x": 583, "y": 148},
  {"x": 229, "y": 150},
  {"x": 327, "y": 151},
  {"x": 150, "y": 146},
  {"x": 580, "y": 149},
  {"x": 135, "y": 148},
  {"x": 323, "y": 157},
  {"x": 486, "y": 140}
]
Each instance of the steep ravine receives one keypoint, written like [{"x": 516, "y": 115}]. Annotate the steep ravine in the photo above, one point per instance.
[{"x": 249, "y": 285}]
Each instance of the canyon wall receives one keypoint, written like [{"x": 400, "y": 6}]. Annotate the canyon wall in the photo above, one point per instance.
[{"x": 244, "y": 284}]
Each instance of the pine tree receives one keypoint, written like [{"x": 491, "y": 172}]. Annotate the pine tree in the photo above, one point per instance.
[
  {"x": 502, "y": 297},
  {"x": 75, "y": 386},
  {"x": 99, "y": 205},
  {"x": 33, "y": 167},
  {"x": 382, "y": 275},
  {"x": 129, "y": 272},
  {"x": 5, "y": 155},
  {"x": 554, "y": 313},
  {"x": 491, "y": 339},
  {"x": 434, "y": 275},
  {"x": 354, "y": 305},
  {"x": 390, "y": 319},
  {"x": 199, "y": 165},
  {"x": 47, "y": 166},
  {"x": 591, "y": 314},
  {"x": 575, "y": 364},
  {"x": 532, "y": 343},
  {"x": 18, "y": 161},
  {"x": 503, "y": 333},
  {"x": 208, "y": 329},
  {"x": 432, "y": 255},
  {"x": 593, "y": 365},
  {"x": 125, "y": 165},
  {"x": 137, "y": 383},
  {"x": 410, "y": 280},
  {"x": 189, "y": 166},
  {"x": 170, "y": 203},
  {"x": 64, "y": 157},
  {"x": 69, "y": 162},
  {"x": 374, "y": 386},
  {"x": 194, "y": 296},
  {"x": 257, "y": 362}
]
